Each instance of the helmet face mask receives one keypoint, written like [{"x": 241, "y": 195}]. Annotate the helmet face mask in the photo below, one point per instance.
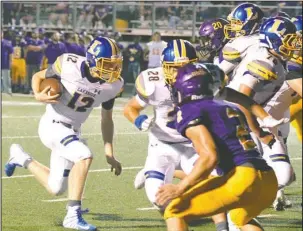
[
  {"x": 106, "y": 69},
  {"x": 170, "y": 69},
  {"x": 177, "y": 53},
  {"x": 205, "y": 43},
  {"x": 234, "y": 29}
]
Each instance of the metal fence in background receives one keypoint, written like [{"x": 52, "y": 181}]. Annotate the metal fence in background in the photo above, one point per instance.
[{"x": 129, "y": 18}]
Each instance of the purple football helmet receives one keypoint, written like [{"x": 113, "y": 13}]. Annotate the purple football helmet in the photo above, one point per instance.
[
  {"x": 212, "y": 37},
  {"x": 195, "y": 81}
]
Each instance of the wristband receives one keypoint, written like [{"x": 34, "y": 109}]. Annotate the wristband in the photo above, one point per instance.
[{"x": 139, "y": 120}]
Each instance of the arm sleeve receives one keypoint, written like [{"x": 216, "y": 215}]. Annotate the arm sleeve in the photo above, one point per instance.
[
  {"x": 226, "y": 66},
  {"x": 108, "y": 105}
]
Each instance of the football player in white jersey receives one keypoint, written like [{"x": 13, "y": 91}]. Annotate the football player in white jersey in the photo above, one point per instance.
[
  {"x": 87, "y": 83},
  {"x": 154, "y": 50},
  {"x": 165, "y": 144},
  {"x": 242, "y": 32},
  {"x": 261, "y": 75}
]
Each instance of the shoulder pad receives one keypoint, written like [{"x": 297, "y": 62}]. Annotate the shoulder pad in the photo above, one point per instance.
[
  {"x": 231, "y": 54},
  {"x": 145, "y": 84},
  {"x": 263, "y": 70},
  {"x": 57, "y": 65}
]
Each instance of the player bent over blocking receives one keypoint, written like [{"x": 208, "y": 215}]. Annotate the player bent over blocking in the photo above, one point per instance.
[
  {"x": 88, "y": 82},
  {"x": 220, "y": 135}
]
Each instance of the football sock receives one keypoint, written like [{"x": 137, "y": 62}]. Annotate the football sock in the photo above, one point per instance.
[
  {"x": 222, "y": 226},
  {"x": 27, "y": 162},
  {"x": 72, "y": 203}
]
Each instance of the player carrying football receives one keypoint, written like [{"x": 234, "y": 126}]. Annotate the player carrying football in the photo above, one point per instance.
[{"x": 87, "y": 83}]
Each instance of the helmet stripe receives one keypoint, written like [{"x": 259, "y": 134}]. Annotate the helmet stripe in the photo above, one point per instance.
[
  {"x": 117, "y": 48},
  {"x": 112, "y": 46},
  {"x": 176, "y": 50},
  {"x": 183, "y": 48}
]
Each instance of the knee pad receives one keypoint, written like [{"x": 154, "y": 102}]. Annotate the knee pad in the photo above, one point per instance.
[
  {"x": 154, "y": 180},
  {"x": 283, "y": 169},
  {"x": 59, "y": 172},
  {"x": 58, "y": 184}
]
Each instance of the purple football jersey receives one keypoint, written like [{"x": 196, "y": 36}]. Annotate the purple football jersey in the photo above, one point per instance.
[{"x": 229, "y": 129}]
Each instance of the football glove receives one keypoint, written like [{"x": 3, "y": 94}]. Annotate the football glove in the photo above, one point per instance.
[{"x": 270, "y": 122}]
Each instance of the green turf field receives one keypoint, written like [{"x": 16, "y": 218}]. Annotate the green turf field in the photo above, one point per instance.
[{"x": 113, "y": 202}]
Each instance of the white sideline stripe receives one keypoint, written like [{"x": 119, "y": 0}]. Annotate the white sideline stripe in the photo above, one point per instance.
[
  {"x": 268, "y": 215},
  {"x": 56, "y": 200},
  {"x": 84, "y": 134},
  {"x": 94, "y": 170},
  {"x": 146, "y": 209}
]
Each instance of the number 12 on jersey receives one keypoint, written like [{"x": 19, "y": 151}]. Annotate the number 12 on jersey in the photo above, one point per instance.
[{"x": 87, "y": 101}]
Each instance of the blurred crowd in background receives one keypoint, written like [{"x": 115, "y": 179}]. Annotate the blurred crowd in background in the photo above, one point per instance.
[
  {"x": 28, "y": 48},
  {"x": 25, "y": 53},
  {"x": 137, "y": 14}
]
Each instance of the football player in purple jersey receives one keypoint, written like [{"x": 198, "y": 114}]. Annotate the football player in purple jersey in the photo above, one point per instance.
[
  {"x": 211, "y": 39},
  {"x": 220, "y": 135}
]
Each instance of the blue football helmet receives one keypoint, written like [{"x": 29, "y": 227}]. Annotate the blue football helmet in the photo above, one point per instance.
[
  {"x": 279, "y": 34},
  {"x": 177, "y": 53},
  {"x": 245, "y": 19},
  {"x": 104, "y": 59}
]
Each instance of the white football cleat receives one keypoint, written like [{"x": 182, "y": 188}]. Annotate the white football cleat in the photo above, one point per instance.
[
  {"x": 74, "y": 220},
  {"x": 17, "y": 157},
  {"x": 281, "y": 202},
  {"x": 140, "y": 179}
]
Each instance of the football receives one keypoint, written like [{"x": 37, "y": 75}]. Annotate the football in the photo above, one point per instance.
[{"x": 56, "y": 87}]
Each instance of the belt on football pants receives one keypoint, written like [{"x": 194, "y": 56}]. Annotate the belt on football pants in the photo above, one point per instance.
[{"x": 65, "y": 125}]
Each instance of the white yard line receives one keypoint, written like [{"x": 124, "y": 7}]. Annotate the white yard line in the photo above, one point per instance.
[
  {"x": 83, "y": 134},
  {"x": 93, "y": 170},
  {"x": 146, "y": 209}
]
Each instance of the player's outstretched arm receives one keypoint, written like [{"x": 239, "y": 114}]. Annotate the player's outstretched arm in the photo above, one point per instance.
[
  {"x": 107, "y": 129},
  {"x": 206, "y": 148},
  {"x": 42, "y": 96},
  {"x": 248, "y": 103}
]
